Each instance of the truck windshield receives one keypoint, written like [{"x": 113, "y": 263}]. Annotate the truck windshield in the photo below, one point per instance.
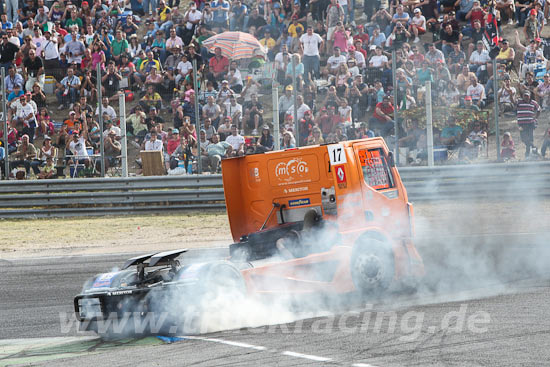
[{"x": 376, "y": 172}]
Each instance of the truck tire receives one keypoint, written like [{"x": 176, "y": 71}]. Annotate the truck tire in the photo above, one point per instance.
[{"x": 372, "y": 266}]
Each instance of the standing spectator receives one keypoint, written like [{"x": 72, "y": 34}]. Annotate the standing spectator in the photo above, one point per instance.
[
  {"x": 527, "y": 113},
  {"x": 119, "y": 46},
  {"x": 7, "y": 51},
  {"x": 50, "y": 55},
  {"x": 33, "y": 70},
  {"x": 335, "y": 14},
  {"x": 220, "y": 10},
  {"x": 310, "y": 45},
  {"x": 12, "y": 8}
]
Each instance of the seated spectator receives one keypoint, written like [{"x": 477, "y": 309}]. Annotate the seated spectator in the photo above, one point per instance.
[
  {"x": 451, "y": 134},
  {"x": 265, "y": 143},
  {"x": 218, "y": 65},
  {"x": 417, "y": 25},
  {"x": 506, "y": 55},
  {"x": 480, "y": 62},
  {"x": 25, "y": 155},
  {"x": 474, "y": 142},
  {"x": 455, "y": 59},
  {"x": 38, "y": 96},
  {"x": 45, "y": 124},
  {"x": 112, "y": 149},
  {"x": 224, "y": 130},
  {"x": 67, "y": 90},
  {"x": 181, "y": 153},
  {"x": 533, "y": 57},
  {"x": 151, "y": 99},
  {"x": 47, "y": 171},
  {"x": 315, "y": 138},
  {"x": 288, "y": 140},
  {"x": 106, "y": 108},
  {"x": 215, "y": 152},
  {"x": 477, "y": 92},
  {"x": 237, "y": 142},
  {"x": 253, "y": 114},
  {"x": 382, "y": 119},
  {"x": 48, "y": 151},
  {"x": 235, "y": 111}
]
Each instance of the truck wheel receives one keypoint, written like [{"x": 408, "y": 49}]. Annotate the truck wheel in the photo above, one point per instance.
[{"x": 372, "y": 267}]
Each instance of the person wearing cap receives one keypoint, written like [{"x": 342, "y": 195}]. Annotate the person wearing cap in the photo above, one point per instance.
[
  {"x": 528, "y": 110},
  {"x": 285, "y": 102},
  {"x": 477, "y": 92},
  {"x": 531, "y": 27},
  {"x": 112, "y": 148},
  {"x": 77, "y": 146},
  {"x": 532, "y": 56},
  {"x": 417, "y": 25},
  {"x": 506, "y": 55}
]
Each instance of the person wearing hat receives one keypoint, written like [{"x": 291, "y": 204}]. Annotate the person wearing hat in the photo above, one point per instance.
[
  {"x": 77, "y": 146},
  {"x": 528, "y": 110},
  {"x": 25, "y": 154},
  {"x": 378, "y": 38},
  {"x": 25, "y": 113},
  {"x": 506, "y": 55},
  {"x": 532, "y": 55},
  {"x": 417, "y": 25}
]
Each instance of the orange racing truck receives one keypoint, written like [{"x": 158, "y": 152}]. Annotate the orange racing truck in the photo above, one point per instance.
[{"x": 353, "y": 188}]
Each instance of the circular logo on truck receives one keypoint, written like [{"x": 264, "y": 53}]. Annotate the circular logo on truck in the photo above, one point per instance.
[{"x": 292, "y": 170}]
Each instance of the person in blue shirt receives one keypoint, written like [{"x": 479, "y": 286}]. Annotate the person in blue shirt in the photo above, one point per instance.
[
  {"x": 220, "y": 9},
  {"x": 238, "y": 17}
]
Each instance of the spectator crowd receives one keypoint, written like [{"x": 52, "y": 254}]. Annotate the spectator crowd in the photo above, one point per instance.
[{"x": 342, "y": 61}]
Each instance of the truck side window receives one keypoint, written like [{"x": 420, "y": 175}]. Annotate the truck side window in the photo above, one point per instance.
[{"x": 376, "y": 171}]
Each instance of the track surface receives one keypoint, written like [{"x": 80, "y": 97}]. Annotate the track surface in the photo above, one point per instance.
[{"x": 35, "y": 291}]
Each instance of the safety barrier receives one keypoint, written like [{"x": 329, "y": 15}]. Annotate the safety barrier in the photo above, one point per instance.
[{"x": 118, "y": 196}]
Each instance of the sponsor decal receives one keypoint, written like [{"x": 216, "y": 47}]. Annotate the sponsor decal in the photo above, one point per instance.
[
  {"x": 341, "y": 177},
  {"x": 295, "y": 189},
  {"x": 119, "y": 293},
  {"x": 104, "y": 280},
  {"x": 296, "y": 168},
  {"x": 298, "y": 202}
]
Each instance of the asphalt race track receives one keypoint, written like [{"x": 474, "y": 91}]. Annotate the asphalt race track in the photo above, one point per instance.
[{"x": 500, "y": 322}]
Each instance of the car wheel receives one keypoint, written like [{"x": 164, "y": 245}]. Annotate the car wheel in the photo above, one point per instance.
[{"x": 372, "y": 266}]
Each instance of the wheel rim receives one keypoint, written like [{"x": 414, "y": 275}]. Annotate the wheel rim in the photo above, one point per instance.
[{"x": 370, "y": 268}]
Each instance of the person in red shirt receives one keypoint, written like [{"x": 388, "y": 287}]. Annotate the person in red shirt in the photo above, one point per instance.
[
  {"x": 327, "y": 121},
  {"x": 359, "y": 47},
  {"x": 382, "y": 118},
  {"x": 219, "y": 65},
  {"x": 361, "y": 35},
  {"x": 476, "y": 13}
]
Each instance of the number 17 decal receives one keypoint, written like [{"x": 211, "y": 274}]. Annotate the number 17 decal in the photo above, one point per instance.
[{"x": 336, "y": 154}]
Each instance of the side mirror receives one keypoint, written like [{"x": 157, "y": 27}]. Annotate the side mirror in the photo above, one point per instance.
[{"x": 391, "y": 161}]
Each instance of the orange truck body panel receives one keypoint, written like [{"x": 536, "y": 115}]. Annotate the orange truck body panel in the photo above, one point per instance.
[{"x": 352, "y": 184}]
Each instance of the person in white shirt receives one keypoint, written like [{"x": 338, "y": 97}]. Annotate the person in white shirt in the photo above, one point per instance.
[
  {"x": 106, "y": 109},
  {"x": 301, "y": 110},
  {"x": 236, "y": 141},
  {"x": 476, "y": 91},
  {"x": 379, "y": 60},
  {"x": 310, "y": 44},
  {"x": 234, "y": 77},
  {"x": 67, "y": 90},
  {"x": 417, "y": 25},
  {"x": 507, "y": 95},
  {"x": 77, "y": 147},
  {"x": 479, "y": 59},
  {"x": 334, "y": 61},
  {"x": 234, "y": 110},
  {"x": 184, "y": 67},
  {"x": 153, "y": 143},
  {"x": 25, "y": 114}
]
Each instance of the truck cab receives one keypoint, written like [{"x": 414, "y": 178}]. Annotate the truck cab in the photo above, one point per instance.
[{"x": 354, "y": 186}]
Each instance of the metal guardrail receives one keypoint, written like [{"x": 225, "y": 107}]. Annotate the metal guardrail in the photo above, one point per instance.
[{"x": 92, "y": 197}]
